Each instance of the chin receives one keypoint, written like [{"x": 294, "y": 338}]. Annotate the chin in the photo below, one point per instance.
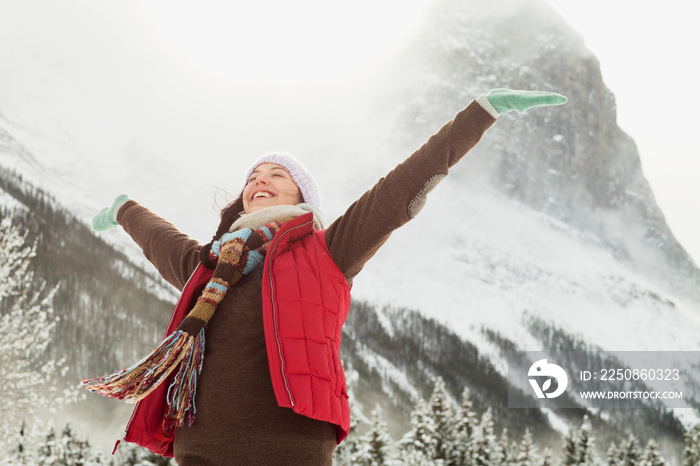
[{"x": 252, "y": 209}]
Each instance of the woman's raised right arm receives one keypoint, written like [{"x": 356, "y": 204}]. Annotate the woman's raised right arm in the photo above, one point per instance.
[{"x": 174, "y": 254}]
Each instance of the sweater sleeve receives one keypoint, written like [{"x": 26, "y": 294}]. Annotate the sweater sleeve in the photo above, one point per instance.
[
  {"x": 174, "y": 254},
  {"x": 356, "y": 236}
]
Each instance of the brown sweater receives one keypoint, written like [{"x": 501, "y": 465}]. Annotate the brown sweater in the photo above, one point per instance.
[{"x": 238, "y": 420}]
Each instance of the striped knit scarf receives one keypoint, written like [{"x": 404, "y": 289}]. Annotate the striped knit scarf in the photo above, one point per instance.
[{"x": 240, "y": 252}]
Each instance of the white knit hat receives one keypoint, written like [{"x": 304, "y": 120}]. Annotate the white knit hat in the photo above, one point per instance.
[{"x": 303, "y": 179}]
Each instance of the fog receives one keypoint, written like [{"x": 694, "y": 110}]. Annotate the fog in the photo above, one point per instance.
[{"x": 167, "y": 102}]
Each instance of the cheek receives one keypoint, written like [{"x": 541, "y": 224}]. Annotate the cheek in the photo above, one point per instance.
[
  {"x": 292, "y": 190},
  {"x": 244, "y": 195}
]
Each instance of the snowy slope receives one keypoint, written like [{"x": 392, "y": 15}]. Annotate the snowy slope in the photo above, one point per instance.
[
  {"x": 501, "y": 264},
  {"x": 85, "y": 183},
  {"x": 500, "y": 259}
]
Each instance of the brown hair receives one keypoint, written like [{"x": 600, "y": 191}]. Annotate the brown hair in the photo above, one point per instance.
[{"x": 229, "y": 214}]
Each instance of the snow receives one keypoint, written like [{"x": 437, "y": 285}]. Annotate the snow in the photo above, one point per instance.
[
  {"x": 387, "y": 372},
  {"x": 9, "y": 202},
  {"x": 495, "y": 262},
  {"x": 499, "y": 260},
  {"x": 557, "y": 423}
]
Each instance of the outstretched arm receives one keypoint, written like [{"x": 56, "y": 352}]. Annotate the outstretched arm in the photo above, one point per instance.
[
  {"x": 174, "y": 254},
  {"x": 397, "y": 198}
]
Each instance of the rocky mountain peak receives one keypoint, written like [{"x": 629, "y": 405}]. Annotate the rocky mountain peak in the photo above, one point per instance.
[{"x": 573, "y": 163}]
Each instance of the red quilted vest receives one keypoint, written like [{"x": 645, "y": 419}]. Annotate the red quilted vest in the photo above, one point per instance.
[{"x": 306, "y": 300}]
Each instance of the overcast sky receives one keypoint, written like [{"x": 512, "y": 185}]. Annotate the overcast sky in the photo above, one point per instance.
[{"x": 113, "y": 82}]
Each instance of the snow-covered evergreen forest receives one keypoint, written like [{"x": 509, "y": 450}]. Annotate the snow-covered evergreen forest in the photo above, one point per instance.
[
  {"x": 27, "y": 325},
  {"x": 439, "y": 434}
]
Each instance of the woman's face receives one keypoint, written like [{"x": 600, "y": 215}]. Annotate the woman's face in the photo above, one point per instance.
[{"x": 269, "y": 185}]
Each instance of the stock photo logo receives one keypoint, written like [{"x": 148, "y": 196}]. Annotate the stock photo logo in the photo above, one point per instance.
[{"x": 542, "y": 373}]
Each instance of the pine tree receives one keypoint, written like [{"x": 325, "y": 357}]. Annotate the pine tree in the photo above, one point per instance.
[
  {"x": 75, "y": 451},
  {"x": 377, "y": 441},
  {"x": 547, "y": 458},
  {"x": 20, "y": 454},
  {"x": 130, "y": 454},
  {"x": 585, "y": 444},
  {"x": 66, "y": 450},
  {"x": 461, "y": 453},
  {"x": 27, "y": 323},
  {"x": 614, "y": 455},
  {"x": 415, "y": 458},
  {"x": 484, "y": 441},
  {"x": 631, "y": 453},
  {"x": 126, "y": 454},
  {"x": 527, "y": 455},
  {"x": 443, "y": 418},
  {"x": 651, "y": 455},
  {"x": 503, "y": 455},
  {"x": 99, "y": 458},
  {"x": 49, "y": 452},
  {"x": 347, "y": 452},
  {"x": 691, "y": 452},
  {"x": 419, "y": 442},
  {"x": 570, "y": 447},
  {"x": 513, "y": 452},
  {"x": 153, "y": 459}
]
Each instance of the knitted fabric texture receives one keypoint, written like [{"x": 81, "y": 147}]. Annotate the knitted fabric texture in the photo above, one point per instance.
[
  {"x": 301, "y": 176},
  {"x": 239, "y": 253},
  {"x": 263, "y": 216}
]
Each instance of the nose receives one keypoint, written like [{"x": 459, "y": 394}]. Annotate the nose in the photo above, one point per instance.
[{"x": 261, "y": 179}]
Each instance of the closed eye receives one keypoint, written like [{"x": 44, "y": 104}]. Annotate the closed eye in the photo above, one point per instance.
[{"x": 275, "y": 172}]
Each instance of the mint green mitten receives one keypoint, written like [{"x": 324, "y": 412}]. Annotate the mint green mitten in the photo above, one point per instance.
[
  {"x": 107, "y": 218},
  {"x": 507, "y": 100}
]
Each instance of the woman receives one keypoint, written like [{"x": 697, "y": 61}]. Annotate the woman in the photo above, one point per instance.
[{"x": 272, "y": 388}]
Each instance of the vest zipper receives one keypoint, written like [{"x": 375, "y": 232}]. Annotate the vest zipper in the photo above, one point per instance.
[{"x": 274, "y": 310}]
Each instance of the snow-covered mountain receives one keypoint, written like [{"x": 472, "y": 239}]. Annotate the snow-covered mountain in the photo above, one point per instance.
[
  {"x": 549, "y": 217},
  {"x": 571, "y": 163},
  {"x": 109, "y": 308},
  {"x": 548, "y": 234}
]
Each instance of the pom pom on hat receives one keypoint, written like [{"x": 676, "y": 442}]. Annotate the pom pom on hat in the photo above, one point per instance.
[{"x": 303, "y": 179}]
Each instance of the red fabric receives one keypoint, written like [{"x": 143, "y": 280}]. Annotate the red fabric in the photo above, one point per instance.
[
  {"x": 144, "y": 426},
  {"x": 306, "y": 300}
]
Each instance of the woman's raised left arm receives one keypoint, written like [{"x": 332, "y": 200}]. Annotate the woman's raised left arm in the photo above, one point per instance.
[{"x": 356, "y": 236}]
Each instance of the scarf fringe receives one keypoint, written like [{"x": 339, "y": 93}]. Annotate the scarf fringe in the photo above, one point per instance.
[
  {"x": 135, "y": 383},
  {"x": 239, "y": 252},
  {"x": 182, "y": 391}
]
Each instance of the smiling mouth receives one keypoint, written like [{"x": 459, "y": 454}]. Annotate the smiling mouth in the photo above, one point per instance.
[{"x": 262, "y": 195}]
